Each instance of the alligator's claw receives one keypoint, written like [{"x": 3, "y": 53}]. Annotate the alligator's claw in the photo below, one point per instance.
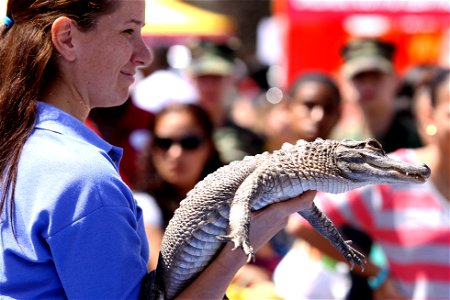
[
  {"x": 239, "y": 242},
  {"x": 354, "y": 256}
]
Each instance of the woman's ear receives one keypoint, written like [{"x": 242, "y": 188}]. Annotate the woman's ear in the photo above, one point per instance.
[{"x": 62, "y": 37}]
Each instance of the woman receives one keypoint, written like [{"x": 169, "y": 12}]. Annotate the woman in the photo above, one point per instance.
[
  {"x": 410, "y": 222},
  {"x": 69, "y": 226},
  {"x": 180, "y": 153}
]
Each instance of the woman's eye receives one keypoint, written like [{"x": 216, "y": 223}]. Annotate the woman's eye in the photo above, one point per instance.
[{"x": 129, "y": 31}]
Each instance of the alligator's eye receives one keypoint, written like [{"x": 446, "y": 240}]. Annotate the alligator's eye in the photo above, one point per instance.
[{"x": 374, "y": 144}]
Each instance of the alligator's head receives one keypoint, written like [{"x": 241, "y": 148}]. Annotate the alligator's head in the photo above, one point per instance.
[
  {"x": 365, "y": 162},
  {"x": 338, "y": 166}
]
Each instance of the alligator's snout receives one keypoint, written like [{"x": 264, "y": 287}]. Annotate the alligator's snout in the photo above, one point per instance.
[
  {"x": 422, "y": 175},
  {"x": 405, "y": 172}
]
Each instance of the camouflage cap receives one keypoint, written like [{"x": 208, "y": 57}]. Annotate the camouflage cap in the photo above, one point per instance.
[
  {"x": 362, "y": 55},
  {"x": 212, "y": 59},
  {"x": 209, "y": 64}
]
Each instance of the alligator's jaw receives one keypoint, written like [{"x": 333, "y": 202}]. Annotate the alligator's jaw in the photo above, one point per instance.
[{"x": 398, "y": 171}]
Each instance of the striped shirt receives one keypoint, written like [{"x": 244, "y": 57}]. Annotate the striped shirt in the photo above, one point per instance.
[{"x": 411, "y": 222}]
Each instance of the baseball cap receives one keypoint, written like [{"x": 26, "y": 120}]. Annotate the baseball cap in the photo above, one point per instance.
[
  {"x": 362, "y": 55},
  {"x": 212, "y": 59}
]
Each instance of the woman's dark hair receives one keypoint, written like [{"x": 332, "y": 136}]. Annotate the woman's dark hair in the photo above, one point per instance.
[
  {"x": 315, "y": 77},
  {"x": 436, "y": 81},
  {"x": 27, "y": 65},
  {"x": 417, "y": 76},
  {"x": 150, "y": 180}
]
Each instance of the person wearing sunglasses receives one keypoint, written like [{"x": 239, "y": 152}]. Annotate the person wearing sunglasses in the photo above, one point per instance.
[
  {"x": 180, "y": 153},
  {"x": 187, "y": 142}
]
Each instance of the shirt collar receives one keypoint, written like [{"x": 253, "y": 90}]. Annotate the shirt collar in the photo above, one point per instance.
[{"x": 51, "y": 118}]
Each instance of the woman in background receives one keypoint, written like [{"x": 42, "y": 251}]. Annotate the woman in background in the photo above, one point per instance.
[{"x": 180, "y": 153}]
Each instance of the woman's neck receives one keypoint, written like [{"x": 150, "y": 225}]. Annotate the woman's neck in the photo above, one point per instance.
[
  {"x": 67, "y": 99},
  {"x": 183, "y": 190}
]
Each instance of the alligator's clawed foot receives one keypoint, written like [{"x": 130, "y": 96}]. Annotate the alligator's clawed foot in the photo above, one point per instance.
[
  {"x": 240, "y": 242},
  {"x": 354, "y": 256}
]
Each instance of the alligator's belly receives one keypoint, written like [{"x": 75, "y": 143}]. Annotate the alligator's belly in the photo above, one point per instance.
[{"x": 192, "y": 256}]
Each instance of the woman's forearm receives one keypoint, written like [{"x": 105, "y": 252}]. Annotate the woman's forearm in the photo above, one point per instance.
[{"x": 214, "y": 280}]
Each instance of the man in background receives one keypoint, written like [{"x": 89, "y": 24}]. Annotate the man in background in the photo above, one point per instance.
[
  {"x": 372, "y": 81},
  {"x": 212, "y": 71}
]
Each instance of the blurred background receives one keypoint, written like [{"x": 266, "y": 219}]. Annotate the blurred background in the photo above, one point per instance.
[
  {"x": 301, "y": 35},
  {"x": 246, "y": 79},
  {"x": 298, "y": 34},
  {"x": 271, "y": 42}
]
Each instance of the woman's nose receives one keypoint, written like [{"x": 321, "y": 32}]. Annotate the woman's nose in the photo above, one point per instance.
[
  {"x": 143, "y": 54},
  {"x": 175, "y": 150}
]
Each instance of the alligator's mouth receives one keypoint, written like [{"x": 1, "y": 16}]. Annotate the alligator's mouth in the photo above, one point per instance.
[
  {"x": 401, "y": 171},
  {"x": 420, "y": 176}
]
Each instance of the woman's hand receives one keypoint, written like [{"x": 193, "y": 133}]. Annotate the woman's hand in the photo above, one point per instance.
[
  {"x": 214, "y": 280},
  {"x": 267, "y": 222}
]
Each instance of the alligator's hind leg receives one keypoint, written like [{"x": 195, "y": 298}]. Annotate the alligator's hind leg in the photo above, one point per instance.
[
  {"x": 326, "y": 228},
  {"x": 239, "y": 219}
]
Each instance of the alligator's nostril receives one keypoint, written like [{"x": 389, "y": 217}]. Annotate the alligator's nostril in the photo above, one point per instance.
[{"x": 428, "y": 170}]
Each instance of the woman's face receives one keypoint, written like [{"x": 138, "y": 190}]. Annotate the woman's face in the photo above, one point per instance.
[
  {"x": 441, "y": 116},
  {"x": 180, "y": 149},
  {"x": 108, "y": 55}
]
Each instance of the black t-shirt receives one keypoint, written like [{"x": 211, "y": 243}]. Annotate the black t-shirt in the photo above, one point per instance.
[{"x": 401, "y": 134}]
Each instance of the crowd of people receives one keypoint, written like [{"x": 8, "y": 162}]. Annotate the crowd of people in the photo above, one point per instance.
[{"x": 92, "y": 171}]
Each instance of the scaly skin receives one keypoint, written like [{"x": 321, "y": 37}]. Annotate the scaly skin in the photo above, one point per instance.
[{"x": 222, "y": 202}]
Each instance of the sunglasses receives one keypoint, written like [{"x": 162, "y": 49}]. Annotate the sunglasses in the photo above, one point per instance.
[{"x": 189, "y": 142}]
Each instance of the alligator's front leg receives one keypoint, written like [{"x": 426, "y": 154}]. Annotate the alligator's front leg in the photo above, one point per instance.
[
  {"x": 239, "y": 229},
  {"x": 326, "y": 228}
]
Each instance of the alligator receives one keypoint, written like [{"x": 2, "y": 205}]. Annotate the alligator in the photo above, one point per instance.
[{"x": 218, "y": 208}]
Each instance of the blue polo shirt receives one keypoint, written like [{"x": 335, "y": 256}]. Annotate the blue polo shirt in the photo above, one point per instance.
[{"x": 79, "y": 231}]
